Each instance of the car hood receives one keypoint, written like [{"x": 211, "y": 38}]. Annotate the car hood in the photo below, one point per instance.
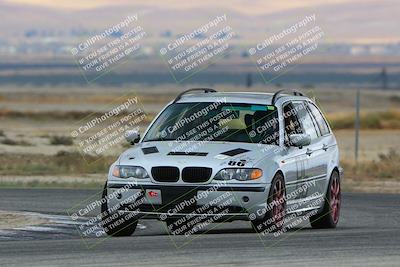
[{"x": 216, "y": 155}]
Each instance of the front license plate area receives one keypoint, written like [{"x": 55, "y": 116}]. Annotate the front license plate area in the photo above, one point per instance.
[
  {"x": 153, "y": 196},
  {"x": 182, "y": 200}
]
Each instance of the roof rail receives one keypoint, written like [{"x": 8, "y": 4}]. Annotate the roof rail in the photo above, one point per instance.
[
  {"x": 206, "y": 90},
  {"x": 276, "y": 95}
]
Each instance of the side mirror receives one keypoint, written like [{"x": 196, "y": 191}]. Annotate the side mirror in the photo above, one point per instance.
[
  {"x": 300, "y": 140},
  {"x": 132, "y": 136}
]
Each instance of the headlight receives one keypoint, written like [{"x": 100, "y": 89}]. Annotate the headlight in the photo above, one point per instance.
[
  {"x": 238, "y": 174},
  {"x": 129, "y": 172}
]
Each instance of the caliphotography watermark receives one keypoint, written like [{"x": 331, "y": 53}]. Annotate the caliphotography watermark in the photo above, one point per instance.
[
  {"x": 198, "y": 211},
  {"x": 202, "y": 124},
  {"x": 196, "y": 50},
  {"x": 98, "y": 217},
  {"x": 281, "y": 51},
  {"x": 100, "y": 53},
  {"x": 102, "y": 133},
  {"x": 300, "y": 201}
]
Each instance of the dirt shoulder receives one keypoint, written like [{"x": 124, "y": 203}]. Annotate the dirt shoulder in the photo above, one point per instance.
[
  {"x": 13, "y": 219},
  {"x": 52, "y": 181},
  {"x": 372, "y": 186}
]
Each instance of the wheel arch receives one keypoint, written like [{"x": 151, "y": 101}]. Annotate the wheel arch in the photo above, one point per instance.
[
  {"x": 281, "y": 173},
  {"x": 329, "y": 175},
  {"x": 335, "y": 169}
]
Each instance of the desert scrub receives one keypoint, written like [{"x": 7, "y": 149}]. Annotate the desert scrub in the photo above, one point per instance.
[
  {"x": 61, "y": 140},
  {"x": 63, "y": 162},
  {"x": 370, "y": 120},
  {"x": 11, "y": 142},
  {"x": 8, "y": 141},
  {"x": 385, "y": 167},
  {"x": 63, "y": 115}
]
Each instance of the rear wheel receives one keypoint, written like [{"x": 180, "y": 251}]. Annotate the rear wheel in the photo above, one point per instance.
[
  {"x": 273, "y": 220},
  {"x": 113, "y": 223},
  {"x": 329, "y": 216}
]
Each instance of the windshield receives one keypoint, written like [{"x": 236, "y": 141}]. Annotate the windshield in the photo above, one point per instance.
[{"x": 216, "y": 121}]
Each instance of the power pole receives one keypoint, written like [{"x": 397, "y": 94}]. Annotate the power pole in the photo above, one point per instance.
[
  {"x": 384, "y": 78},
  {"x": 357, "y": 124},
  {"x": 249, "y": 80}
]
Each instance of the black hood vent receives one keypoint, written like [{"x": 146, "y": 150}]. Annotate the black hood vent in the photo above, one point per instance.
[
  {"x": 235, "y": 152},
  {"x": 149, "y": 150},
  {"x": 200, "y": 154}
]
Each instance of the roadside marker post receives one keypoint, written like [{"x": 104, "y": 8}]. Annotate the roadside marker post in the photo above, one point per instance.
[{"x": 357, "y": 125}]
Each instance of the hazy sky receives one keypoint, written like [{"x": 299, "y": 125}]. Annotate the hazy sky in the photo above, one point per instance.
[
  {"x": 244, "y": 6},
  {"x": 356, "y": 21}
]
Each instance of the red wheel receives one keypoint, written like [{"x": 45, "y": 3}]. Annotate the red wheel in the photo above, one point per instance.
[
  {"x": 329, "y": 216},
  {"x": 279, "y": 203},
  {"x": 335, "y": 199},
  {"x": 273, "y": 220}
]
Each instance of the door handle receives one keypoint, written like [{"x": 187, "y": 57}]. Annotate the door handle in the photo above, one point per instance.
[
  {"x": 309, "y": 152},
  {"x": 325, "y": 147}
]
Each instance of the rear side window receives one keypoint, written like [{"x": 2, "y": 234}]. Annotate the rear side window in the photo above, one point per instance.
[{"x": 321, "y": 122}]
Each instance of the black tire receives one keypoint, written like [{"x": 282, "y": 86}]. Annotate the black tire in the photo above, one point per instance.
[
  {"x": 113, "y": 224},
  {"x": 273, "y": 220},
  {"x": 328, "y": 217}
]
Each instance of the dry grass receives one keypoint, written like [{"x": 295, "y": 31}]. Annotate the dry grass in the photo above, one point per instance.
[
  {"x": 60, "y": 115},
  {"x": 12, "y": 142},
  {"x": 368, "y": 120},
  {"x": 102, "y": 99},
  {"x": 62, "y": 163},
  {"x": 385, "y": 167},
  {"x": 61, "y": 140}
]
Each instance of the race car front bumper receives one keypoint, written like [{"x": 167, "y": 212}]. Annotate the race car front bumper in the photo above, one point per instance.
[{"x": 223, "y": 203}]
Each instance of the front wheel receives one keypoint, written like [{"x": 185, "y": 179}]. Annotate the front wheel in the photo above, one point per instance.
[
  {"x": 114, "y": 224},
  {"x": 329, "y": 216},
  {"x": 273, "y": 220}
]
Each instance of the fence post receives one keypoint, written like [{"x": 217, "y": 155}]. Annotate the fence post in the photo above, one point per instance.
[{"x": 357, "y": 125}]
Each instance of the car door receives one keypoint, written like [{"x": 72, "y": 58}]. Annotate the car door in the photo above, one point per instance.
[
  {"x": 307, "y": 184},
  {"x": 324, "y": 147},
  {"x": 294, "y": 158}
]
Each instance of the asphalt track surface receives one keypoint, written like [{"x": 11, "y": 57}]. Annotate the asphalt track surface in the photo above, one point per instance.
[{"x": 368, "y": 235}]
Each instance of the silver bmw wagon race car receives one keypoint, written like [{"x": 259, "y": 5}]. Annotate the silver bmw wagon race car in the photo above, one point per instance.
[{"x": 212, "y": 157}]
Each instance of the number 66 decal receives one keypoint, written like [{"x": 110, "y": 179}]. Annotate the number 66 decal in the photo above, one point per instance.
[{"x": 240, "y": 163}]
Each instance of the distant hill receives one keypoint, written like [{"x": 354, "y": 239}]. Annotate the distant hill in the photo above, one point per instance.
[{"x": 343, "y": 21}]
